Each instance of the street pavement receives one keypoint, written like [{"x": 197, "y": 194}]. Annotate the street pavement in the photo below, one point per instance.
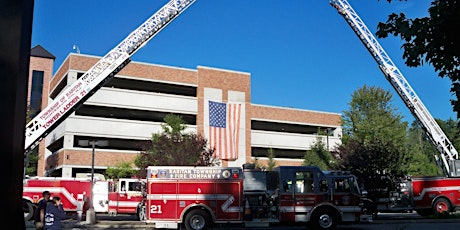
[{"x": 105, "y": 222}]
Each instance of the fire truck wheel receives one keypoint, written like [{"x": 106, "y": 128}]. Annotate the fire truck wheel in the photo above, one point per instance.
[
  {"x": 441, "y": 206},
  {"x": 141, "y": 214},
  {"x": 28, "y": 209},
  {"x": 323, "y": 218},
  {"x": 197, "y": 220}
]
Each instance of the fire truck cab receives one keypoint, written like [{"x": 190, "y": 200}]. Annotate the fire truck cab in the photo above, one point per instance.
[
  {"x": 123, "y": 196},
  {"x": 321, "y": 198},
  {"x": 200, "y": 197}
]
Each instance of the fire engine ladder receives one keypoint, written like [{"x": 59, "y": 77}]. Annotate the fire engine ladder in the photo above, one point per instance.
[
  {"x": 104, "y": 70},
  {"x": 447, "y": 151}
]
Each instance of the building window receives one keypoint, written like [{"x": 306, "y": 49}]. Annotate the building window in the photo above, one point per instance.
[
  {"x": 279, "y": 153},
  {"x": 36, "y": 92},
  {"x": 291, "y": 128}
]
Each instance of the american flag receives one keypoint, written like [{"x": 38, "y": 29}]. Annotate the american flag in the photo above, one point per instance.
[{"x": 224, "y": 129}]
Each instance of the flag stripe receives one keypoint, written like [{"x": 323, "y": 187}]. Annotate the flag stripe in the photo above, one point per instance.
[
  {"x": 230, "y": 136},
  {"x": 237, "y": 129}
]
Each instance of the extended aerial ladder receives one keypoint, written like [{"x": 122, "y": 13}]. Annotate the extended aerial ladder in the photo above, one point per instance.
[
  {"x": 447, "y": 152},
  {"x": 104, "y": 70}
]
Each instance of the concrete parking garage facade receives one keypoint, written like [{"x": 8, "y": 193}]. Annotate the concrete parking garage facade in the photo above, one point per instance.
[{"x": 132, "y": 105}]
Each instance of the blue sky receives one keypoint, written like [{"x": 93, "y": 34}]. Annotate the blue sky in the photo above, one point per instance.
[{"x": 300, "y": 53}]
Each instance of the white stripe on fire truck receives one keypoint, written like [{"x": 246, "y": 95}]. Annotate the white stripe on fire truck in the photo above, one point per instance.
[
  {"x": 309, "y": 208},
  {"x": 435, "y": 189},
  {"x": 297, "y": 208},
  {"x": 207, "y": 197},
  {"x": 54, "y": 190},
  {"x": 188, "y": 196},
  {"x": 123, "y": 203},
  {"x": 234, "y": 209}
]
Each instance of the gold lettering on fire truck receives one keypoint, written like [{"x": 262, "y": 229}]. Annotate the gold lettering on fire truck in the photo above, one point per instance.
[{"x": 194, "y": 173}]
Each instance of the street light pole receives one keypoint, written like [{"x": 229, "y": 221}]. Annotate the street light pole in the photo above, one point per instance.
[
  {"x": 91, "y": 209},
  {"x": 90, "y": 213}
]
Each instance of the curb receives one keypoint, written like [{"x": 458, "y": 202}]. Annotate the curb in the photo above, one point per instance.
[
  {"x": 106, "y": 225},
  {"x": 141, "y": 225},
  {"x": 381, "y": 221}
]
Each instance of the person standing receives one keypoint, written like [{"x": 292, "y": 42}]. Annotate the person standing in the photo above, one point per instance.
[
  {"x": 39, "y": 215},
  {"x": 54, "y": 214}
]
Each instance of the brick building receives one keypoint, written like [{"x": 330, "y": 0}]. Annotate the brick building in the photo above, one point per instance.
[{"x": 132, "y": 105}]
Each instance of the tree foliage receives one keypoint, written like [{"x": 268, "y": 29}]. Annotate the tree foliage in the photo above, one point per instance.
[
  {"x": 377, "y": 141},
  {"x": 420, "y": 153},
  {"x": 174, "y": 146},
  {"x": 451, "y": 129},
  {"x": 319, "y": 156},
  {"x": 374, "y": 133},
  {"x": 269, "y": 164},
  {"x": 432, "y": 39},
  {"x": 31, "y": 159},
  {"x": 31, "y": 163},
  {"x": 371, "y": 116},
  {"x": 122, "y": 170},
  {"x": 371, "y": 157},
  {"x": 257, "y": 164},
  {"x": 271, "y": 159}
]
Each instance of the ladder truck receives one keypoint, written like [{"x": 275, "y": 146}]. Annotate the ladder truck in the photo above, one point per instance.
[
  {"x": 199, "y": 198},
  {"x": 77, "y": 93},
  {"x": 426, "y": 195},
  {"x": 104, "y": 70},
  {"x": 447, "y": 152}
]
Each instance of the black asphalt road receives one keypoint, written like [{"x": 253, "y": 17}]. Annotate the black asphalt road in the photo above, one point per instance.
[{"x": 397, "y": 221}]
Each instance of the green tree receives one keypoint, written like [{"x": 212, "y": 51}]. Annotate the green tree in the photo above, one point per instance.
[
  {"x": 31, "y": 158},
  {"x": 370, "y": 158},
  {"x": 373, "y": 132},
  {"x": 451, "y": 129},
  {"x": 420, "y": 153},
  {"x": 174, "y": 125},
  {"x": 432, "y": 40},
  {"x": 173, "y": 146},
  {"x": 122, "y": 170},
  {"x": 257, "y": 163},
  {"x": 319, "y": 155},
  {"x": 271, "y": 163},
  {"x": 271, "y": 159},
  {"x": 31, "y": 163}
]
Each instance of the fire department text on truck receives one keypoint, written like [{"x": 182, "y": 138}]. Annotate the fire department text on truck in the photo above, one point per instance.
[{"x": 190, "y": 174}]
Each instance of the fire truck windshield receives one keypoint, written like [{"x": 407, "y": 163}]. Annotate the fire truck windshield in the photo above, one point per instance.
[
  {"x": 355, "y": 185},
  {"x": 343, "y": 181}
]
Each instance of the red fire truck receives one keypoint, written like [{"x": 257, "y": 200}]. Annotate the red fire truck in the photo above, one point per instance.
[
  {"x": 199, "y": 197},
  {"x": 425, "y": 195},
  {"x": 432, "y": 194},
  {"x": 112, "y": 197}
]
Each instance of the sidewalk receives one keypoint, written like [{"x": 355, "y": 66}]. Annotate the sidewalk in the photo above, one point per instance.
[
  {"x": 107, "y": 224},
  {"x": 102, "y": 224}
]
